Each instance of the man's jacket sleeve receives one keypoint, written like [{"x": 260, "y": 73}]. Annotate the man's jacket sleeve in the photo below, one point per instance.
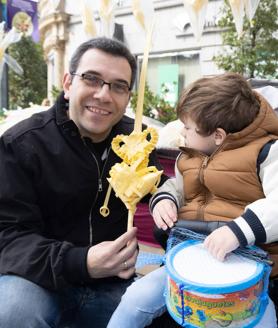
[{"x": 24, "y": 249}]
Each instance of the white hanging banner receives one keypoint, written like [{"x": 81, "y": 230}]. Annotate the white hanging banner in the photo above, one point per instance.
[
  {"x": 143, "y": 11},
  {"x": 5, "y": 40},
  {"x": 237, "y": 7},
  {"x": 250, "y": 8},
  {"x": 13, "y": 64},
  {"x": 107, "y": 17},
  {"x": 87, "y": 17},
  {"x": 196, "y": 10}
]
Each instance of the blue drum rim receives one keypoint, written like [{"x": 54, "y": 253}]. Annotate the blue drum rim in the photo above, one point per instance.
[{"x": 204, "y": 288}]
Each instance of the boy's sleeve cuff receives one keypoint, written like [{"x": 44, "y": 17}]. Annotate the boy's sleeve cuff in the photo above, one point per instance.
[
  {"x": 255, "y": 225},
  {"x": 238, "y": 232},
  {"x": 159, "y": 197}
]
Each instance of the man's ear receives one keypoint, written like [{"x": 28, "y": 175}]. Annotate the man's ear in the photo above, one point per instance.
[
  {"x": 219, "y": 136},
  {"x": 67, "y": 79}
]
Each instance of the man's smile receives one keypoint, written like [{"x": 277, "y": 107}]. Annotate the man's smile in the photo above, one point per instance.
[{"x": 97, "y": 110}]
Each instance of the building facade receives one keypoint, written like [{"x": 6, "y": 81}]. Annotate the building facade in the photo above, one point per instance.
[{"x": 176, "y": 57}]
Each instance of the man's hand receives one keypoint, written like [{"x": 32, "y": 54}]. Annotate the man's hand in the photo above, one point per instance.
[
  {"x": 165, "y": 214},
  {"x": 221, "y": 242},
  {"x": 114, "y": 258}
]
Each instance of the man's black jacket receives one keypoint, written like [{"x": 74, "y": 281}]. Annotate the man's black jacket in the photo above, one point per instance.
[{"x": 52, "y": 184}]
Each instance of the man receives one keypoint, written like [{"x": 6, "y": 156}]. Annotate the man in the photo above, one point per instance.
[{"x": 62, "y": 263}]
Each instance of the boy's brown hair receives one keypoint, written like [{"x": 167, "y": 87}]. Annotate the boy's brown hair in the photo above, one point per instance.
[{"x": 224, "y": 101}]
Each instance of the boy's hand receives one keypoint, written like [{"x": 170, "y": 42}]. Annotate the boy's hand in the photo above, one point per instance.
[
  {"x": 165, "y": 214},
  {"x": 221, "y": 242}
]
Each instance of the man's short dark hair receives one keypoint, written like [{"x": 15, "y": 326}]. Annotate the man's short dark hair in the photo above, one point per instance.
[{"x": 110, "y": 46}]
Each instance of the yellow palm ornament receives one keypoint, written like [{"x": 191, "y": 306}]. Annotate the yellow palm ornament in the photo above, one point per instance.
[{"x": 132, "y": 179}]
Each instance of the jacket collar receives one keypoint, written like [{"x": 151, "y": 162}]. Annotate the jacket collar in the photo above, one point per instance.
[
  {"x": 265, "y": 124},
  {"x": 61, "y": 109}
]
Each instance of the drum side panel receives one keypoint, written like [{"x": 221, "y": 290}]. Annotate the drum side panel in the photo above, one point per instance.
[
  {"x": 198, "y": 307},
  {"x": 233, "y": 310}
]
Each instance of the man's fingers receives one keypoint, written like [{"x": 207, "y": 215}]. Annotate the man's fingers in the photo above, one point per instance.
[
  {"x": 131, "y": 261},
  {"x": 127, "y": 267},
  {"x": 129, "y": 253},
  {"x": 123, "y": 240},
  {"x": 126, "y": 274}
]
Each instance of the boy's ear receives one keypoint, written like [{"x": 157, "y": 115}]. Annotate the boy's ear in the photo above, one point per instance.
[{"x": 219, "y": 136}]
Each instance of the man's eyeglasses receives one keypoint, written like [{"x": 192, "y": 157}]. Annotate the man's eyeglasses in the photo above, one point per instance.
[{"x": 97, "y": 83}]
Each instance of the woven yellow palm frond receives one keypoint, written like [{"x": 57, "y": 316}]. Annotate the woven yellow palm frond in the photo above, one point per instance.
[
  {"x": 132, "y": 179},
  {"x": 135, "y": 146},
  {"x": 131, "y": 185}
]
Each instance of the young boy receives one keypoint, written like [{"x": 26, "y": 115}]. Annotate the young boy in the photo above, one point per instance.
[{"x": 226, "y": 172}]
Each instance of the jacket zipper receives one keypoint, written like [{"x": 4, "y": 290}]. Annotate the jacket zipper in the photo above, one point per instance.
[
  {"x": 201, "y": 171},
  {"x": 100, "y": 189},
  {"x": 201, "y": 210}
]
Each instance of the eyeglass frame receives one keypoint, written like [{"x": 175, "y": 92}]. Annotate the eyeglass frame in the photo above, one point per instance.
[{"x": 103, "y": 82}]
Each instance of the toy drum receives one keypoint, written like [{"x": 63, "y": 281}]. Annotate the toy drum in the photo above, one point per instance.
[{"x": 204, "y": 292}]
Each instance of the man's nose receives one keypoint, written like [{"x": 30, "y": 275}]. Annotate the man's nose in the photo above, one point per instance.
[{"x": 103, "y": 93}]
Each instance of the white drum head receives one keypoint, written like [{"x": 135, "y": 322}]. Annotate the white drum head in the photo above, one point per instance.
[{"x": 194, "y": 263}]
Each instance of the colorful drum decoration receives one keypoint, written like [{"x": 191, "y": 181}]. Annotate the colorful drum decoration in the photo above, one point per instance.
[{"x": 204, "y": 292}]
